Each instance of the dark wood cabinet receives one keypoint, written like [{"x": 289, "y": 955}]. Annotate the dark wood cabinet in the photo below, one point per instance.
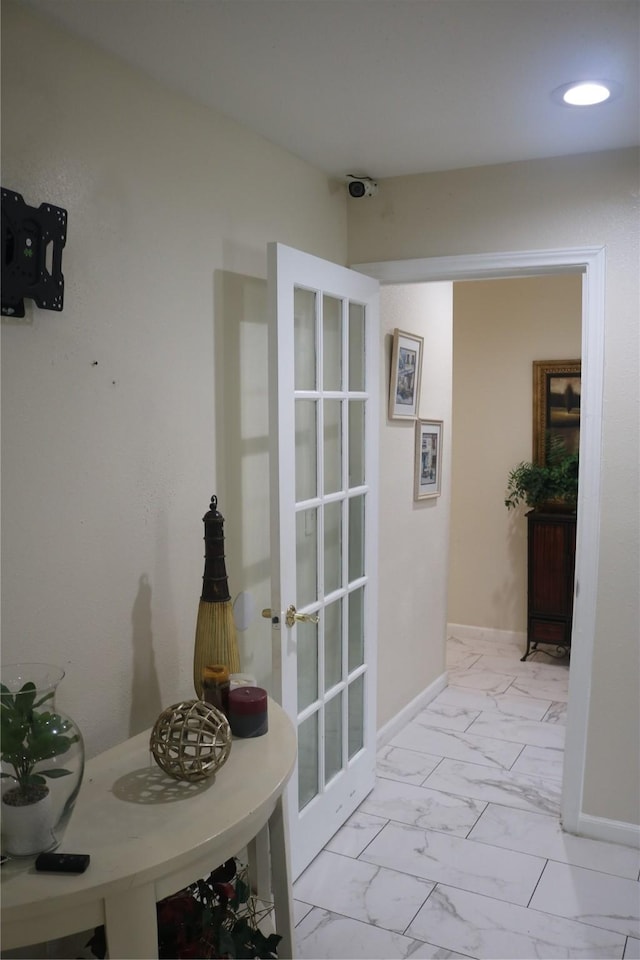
[{"x": 551, "y": 567}]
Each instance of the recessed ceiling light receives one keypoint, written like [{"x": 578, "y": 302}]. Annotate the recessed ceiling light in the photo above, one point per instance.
[{"x": 586, "y": 93}]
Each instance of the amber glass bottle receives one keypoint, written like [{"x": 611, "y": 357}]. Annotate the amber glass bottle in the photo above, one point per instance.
[{"x": 215, "y": 686}]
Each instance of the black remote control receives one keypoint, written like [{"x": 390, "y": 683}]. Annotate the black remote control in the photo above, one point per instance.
[{"x": 62, "y": 862}]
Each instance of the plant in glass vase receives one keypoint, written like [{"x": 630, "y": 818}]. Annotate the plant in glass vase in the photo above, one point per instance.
[{"x": 33, "y": 737}]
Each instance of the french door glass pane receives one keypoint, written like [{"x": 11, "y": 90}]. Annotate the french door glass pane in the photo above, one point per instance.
[
  {"x": 306, "y": 449},
  {"x": 306, "y": 557},
  {"x": 356, "y": 347},
  {"x": 307, "y": 650},
  {"x": 304, "y": 334},
  {"x": 356, "y": 715},
  {"x": 356, "y": 442},
  {"x": 332, "y": 644},
  {"x": 332, "y": 446},
  {"x": 307, "y": 760},
  {"x": 356, "y": 537},
  {"x": 332, "y": 342},
  {"x": 332, "y": 737},
  {"x": 332, "y": 547},
  {"x": 356, "y": 628}
]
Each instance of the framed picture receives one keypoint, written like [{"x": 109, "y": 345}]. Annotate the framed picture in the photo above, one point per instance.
[
  {"x": 556, "y": 405},
  {"x": 406, "y": 372},
  {"x": 428, "y": 463}
]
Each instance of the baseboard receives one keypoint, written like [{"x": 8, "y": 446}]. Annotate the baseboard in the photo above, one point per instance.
[
  {"x": 407, "y": 713},
  {"x": 613, "y": 831},
  {"x": 466, "y": 632}
]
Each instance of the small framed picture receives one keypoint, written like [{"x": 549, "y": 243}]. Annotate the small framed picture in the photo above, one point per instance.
[
  {"x": 406, "y": 371},
  {"x": 428, "y": 464}
]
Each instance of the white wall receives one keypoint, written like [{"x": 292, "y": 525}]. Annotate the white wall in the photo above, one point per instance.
[
  {"x": 499, "y": 328},
  {"x": 563, "y": 202},
  {"x": 414, "y": 535},
  {"x": 125, "y": 412}
]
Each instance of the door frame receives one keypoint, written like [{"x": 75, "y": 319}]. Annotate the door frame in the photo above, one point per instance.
[{"x": 591, "y": 263}]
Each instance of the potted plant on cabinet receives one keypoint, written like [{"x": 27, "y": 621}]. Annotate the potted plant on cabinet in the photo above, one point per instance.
[
  {"x": 33, "y": 736},
  {"x": 552, "y": 485}
]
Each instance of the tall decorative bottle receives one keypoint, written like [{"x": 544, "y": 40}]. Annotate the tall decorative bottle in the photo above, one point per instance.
[{"x": 216, "y": 637}]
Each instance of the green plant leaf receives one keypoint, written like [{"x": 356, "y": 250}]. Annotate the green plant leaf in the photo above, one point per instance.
[
  {"x": 207, "y": 917},
  {"x": 242, "y": 891},
  {"x": 43, "y": 745},
  {"x": 34, "y": 778},
  {"x": 54, "y": 773},
  {"x": 47, "y": 696},
  {"x": 6, "y": 698},
  {"x": 25, "y": 698},
  {"x": 13, "y": 737},
  {"x": 271, "y": 944}
]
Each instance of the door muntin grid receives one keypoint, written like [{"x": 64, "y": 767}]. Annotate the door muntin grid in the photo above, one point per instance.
[{"x": 331, "y": 496}]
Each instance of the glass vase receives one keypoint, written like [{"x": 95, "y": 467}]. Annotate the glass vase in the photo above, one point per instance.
[{"x": 42, "y": 760}]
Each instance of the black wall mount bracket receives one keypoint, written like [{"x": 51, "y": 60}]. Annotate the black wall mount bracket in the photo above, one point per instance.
[{"x": 32, "y": 242}]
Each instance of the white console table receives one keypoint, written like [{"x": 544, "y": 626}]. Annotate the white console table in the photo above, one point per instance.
[{"x": 149, "y": 836}]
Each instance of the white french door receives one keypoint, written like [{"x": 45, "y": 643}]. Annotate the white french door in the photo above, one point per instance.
[{"x": 324, "y": 422}]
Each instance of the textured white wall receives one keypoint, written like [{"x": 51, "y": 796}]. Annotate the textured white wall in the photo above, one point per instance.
[
  {"x": 499, "y": 328},
  {"x": 414, "y": 536},
  {"x": 125, "y": 412},
  {"x": 591, "y": 199}
]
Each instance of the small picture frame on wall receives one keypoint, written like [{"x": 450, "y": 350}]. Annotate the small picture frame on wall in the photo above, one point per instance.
[
  {"x": 406, "y": 374},
  {"x": 428, "y": 459},
  {"x": 556, "y": 405}
]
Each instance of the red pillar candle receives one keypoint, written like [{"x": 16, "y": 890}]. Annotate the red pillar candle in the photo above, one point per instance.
[{"x": 248, "y": 711}]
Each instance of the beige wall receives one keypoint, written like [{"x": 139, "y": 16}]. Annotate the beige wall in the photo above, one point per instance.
[
  {"x": 413, "y": 535},
  {"x": 120, "y": 416},
  {"x": 499, "y": 328},
  {"x": 558, "y": 203}
]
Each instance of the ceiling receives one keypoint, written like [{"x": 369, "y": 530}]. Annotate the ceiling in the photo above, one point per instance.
[{"x": 386, "y": 87}]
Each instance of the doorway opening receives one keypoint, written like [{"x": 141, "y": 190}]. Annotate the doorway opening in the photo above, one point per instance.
[
  {"x": 500, "y": 326},
  {"x": 590, "y": 264}
]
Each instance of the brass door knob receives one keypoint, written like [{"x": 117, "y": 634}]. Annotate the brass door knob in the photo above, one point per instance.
[{"x": 294, "y": 617}]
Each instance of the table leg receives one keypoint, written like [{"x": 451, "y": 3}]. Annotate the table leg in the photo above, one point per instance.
[
  {"x": 281, "y": 878},
  {"x": 259, "y": 873},
  {"x": 130, "y": 924}
]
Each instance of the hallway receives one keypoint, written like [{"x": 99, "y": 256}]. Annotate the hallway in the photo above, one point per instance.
[{"x": 458, "y": 850}]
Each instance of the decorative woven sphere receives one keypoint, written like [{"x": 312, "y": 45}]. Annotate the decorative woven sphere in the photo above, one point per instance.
[{"x": 191, "y": 740}]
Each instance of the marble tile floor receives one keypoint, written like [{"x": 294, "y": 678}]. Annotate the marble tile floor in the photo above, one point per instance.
[{"x": 458, "y": 851}]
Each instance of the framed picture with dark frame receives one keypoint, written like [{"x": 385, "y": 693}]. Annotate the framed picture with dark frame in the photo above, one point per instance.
[
  {"x": 406, "y": 374},
  {"x": 556, "y": 405},
  {"x": 428, "y": 459}
]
